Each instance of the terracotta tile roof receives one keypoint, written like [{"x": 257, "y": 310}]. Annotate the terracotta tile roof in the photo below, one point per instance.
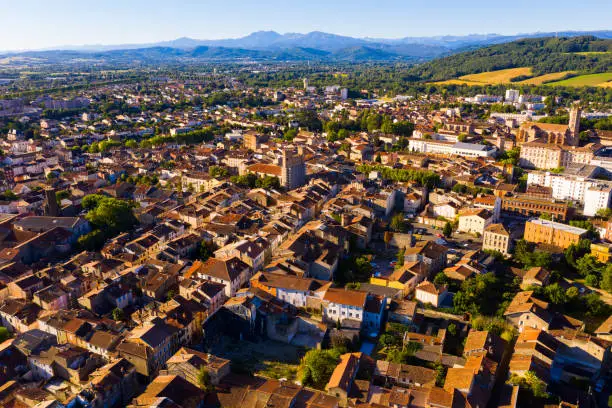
[
  {"x": 345, "y": 371},
  {"x": 459, "y": 378},
  {"x": 263, "y": 168},
  {"x": 524, "y": 302},
  {"x": 476, "y": 340},
  {"x": 478, "y": 212},
  {"x": 547, "y": 127},
  {"x": 346, "y": 297},
  {"x": 497, "y": 229},
  {"x": 439, "y": 397},
  {"x": 606, "y": 327},
  {"x": 227, "y": 269},
  {"x": 430, "y": 287}
]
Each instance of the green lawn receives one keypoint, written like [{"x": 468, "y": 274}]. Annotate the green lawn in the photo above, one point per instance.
[{"x": 585, "y": 80}]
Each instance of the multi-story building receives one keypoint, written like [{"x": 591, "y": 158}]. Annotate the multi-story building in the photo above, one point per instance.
[
  {"x": 474, "y": 220},
  {"x": 512, "y": 95},
  {"x": 497, "y": 238},
  {"x": 553, "y": 233},
  {"x": 233, "y": 273},
  {"x": 593, "y": 193},
  {"x": 349, "y": 305},
  {"x": 550, "y": 133},
  {"x": 602, "y": 251},
  {"x": 529, "y": 206},
  {"x": 293, "y": 170},
  {"x": 596, "y": 197},
  {"x": 538, "y": 155}
]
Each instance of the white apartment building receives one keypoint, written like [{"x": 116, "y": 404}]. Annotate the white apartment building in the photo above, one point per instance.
[
  {"x": 594, "y": 194},
  {"x": 596, "y": 197},
  {"x": 344, "y": 304},
  {"x": 430, "y": 146},
  {"x": 512, "y": 95}
]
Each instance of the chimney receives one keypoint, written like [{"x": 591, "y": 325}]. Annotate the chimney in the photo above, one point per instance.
[{"x": 345, "y": 219}]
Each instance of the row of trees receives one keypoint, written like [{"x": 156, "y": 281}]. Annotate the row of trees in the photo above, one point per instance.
[
  {"x": 251, "y": 180},
  {"x": 426, "y": 178},
  {"x": 193, "y": 137}
]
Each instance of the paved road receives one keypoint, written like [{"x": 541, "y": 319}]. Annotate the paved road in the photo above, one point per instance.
[{"x": 457, "y": 240}]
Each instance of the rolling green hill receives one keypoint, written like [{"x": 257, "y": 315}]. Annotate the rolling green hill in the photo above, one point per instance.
[{"x": 584, "y": 55}]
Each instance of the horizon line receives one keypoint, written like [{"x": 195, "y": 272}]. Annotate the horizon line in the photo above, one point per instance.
[{"x": 151, "y": 44}]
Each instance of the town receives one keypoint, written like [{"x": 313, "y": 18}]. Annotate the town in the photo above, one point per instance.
[{"x": 183, "y": 240}]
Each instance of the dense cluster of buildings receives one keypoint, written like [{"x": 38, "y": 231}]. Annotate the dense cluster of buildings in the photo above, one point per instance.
[{"x": 249, "y": 236}]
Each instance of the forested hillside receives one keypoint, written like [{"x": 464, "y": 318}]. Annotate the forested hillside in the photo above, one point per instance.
[{"x": 584, "y": 54}]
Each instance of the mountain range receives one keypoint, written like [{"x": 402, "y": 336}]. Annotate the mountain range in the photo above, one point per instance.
[
  {"x": 270, "y": 45},
  {"x": 260, "y": 40}
]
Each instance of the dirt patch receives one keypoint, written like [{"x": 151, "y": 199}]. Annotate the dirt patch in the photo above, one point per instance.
[{"x": 267, "y": 358}]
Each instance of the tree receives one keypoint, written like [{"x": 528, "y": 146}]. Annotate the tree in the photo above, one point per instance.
[
  {"x": 400, "y": 257},
  {"x": 606, "y": 279},
  {"x": 204, "y": 380},
  {"x": 112, "y": 215},
  {"x": 478, "y": 295},
  {"x": 441, "y": 279},
  {"x": 572, "y": 293},
  {"x": 171, "y": 294},
  {"x": 206, "y": 250},
  {"x": 131, "y": 144},
  {"x": 604, "y": 213},
  {"x": 268, "y": 182},
  {"x": 118, "y": 314},
  {"x": 398, "y": 224},
  {"x": 4, "y": 334},
  {"x": 523, "y": 253},
  {"x": 60, "y": 195},
  {"x": 317, "y": 367},
  {"x": 8, "y": 195},
  {"x": 91, "y": 201},
  {"x": 440, "y": 374},
  {"x": 92, "y": 241},
  {"x": 340, "y": 342},
  {"x": 363, "y": 268},
  {"x": 592, "y": 280},
  {"x": 452, "y": 329},
  {"x": 588, "y": 265},
  {"x": 531, "y": 382},
  {"x": 218, "y": 171},
  {"x": 290, "y": 134},
  {"x": 556, "y": 294},
  {"x": 309, "y": 118},
  {"x": 448, "y": 229}
]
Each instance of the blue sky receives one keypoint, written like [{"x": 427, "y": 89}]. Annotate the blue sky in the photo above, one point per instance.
[{"x": 28, "y": 24}]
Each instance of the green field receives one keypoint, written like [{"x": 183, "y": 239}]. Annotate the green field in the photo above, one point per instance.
[
  {"x": 602, "y": 80},
  {"x": 539, "y": 80}
]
